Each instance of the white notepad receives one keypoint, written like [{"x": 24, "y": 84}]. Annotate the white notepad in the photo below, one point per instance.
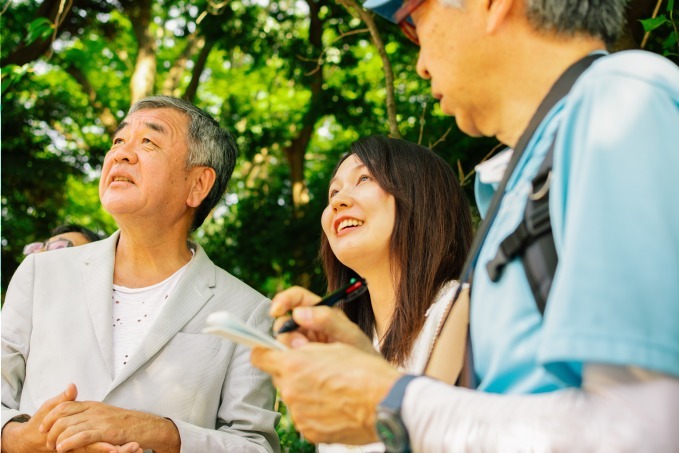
[{"x": 228, "y": 326}]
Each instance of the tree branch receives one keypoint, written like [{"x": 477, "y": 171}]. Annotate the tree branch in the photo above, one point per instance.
[
  {"x": 57, "y": 12},
  {"x": 174, "y": 75},
  {"x": 198, "y": 68},
  {"x": 467, "y": 178},
  {"x": 107, "y": 118},
  {"x": 369, "y": 20},
  {"x": 441, "y": 138},
  {"x": 422, "y": 123},
  {"x": 63, "y": 8},
  {"x": 648, "y": 33},
  {"x": 319, "y": 60}
]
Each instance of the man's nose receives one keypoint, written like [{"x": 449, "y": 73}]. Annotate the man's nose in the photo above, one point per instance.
[
  {"x": 422, "y": 68},
  {"x": 123, "y": 153}
]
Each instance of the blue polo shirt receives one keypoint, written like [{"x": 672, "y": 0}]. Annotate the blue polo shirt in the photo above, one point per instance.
[{"x": 614, "y": 204}]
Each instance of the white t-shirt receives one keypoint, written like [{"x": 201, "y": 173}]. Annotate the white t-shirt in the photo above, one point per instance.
[{"x": 134, "y": 311}]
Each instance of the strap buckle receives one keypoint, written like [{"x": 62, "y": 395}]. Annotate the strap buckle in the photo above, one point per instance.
[
  {"x": 543, "y": 189},
  {"x": 494, "y": 266},
  {"x": 509, "y": 248}
]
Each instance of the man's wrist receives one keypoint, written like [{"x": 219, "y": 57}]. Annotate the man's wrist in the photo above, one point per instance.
[
  {"x": 164, "y": 435},
  {"x": 389, "y": 425},
  {"x": 172, "y": 438},
  {"x": 12, "y": 433}
]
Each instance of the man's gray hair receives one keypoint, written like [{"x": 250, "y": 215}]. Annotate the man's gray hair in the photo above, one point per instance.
[
  {"x": 209, "y": 145},
  {"x": 602, "y": 19},
  {"x": 598, "y": 18}
]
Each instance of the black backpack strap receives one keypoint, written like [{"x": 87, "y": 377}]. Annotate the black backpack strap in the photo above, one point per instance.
[
  {"x": 532, "y": 239},
  {"x": 560, "y": 89}
]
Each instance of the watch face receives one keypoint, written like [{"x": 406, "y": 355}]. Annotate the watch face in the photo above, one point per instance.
[{"x": 391, "y": 432}]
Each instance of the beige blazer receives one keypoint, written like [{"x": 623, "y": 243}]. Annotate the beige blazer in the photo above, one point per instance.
[{"x": 57, "y": 328}]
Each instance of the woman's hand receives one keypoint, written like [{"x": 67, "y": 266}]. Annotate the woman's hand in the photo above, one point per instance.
[{"x": 317, "y": 324}]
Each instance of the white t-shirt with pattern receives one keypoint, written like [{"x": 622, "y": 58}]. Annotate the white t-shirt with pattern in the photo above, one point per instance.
[{"x": 134, "y": 311}]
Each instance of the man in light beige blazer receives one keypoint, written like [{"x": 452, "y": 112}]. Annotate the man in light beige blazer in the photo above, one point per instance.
[{"x": 160, "y": 385}]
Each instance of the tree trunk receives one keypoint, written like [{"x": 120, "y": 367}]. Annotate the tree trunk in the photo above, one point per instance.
[
  {"x": 144, "y": 74},
  {"x": 295, "y": 152}
]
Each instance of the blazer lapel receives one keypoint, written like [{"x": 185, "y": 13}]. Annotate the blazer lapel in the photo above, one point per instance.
[
  {"x": 188, "y": 297},
  {"x": 97, "y": 272}
]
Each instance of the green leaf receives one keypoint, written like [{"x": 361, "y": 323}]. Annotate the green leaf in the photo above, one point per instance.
[
  {"x": 40, "y": 28},
  {"x": 670, "y": 43},
  {"x": 652, "y": 24},
  {"x": 11, "y": 74}
]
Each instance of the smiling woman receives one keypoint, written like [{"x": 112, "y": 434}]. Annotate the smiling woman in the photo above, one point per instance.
[
  {"x": 397, "y": 217},
  {"x": 359, "y": 219}
]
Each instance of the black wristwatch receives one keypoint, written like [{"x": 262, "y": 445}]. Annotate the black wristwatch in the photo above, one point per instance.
[{"x": 389, "y": 425}]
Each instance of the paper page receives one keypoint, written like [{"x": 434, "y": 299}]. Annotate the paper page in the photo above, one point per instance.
[{"x": 226, "y": 325}]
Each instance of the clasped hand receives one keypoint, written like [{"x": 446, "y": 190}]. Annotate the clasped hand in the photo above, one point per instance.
[{"x": 63, "y": 424}]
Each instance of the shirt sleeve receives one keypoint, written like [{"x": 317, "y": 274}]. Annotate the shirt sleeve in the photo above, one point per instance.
[
  {"x": 16, "y": 335},
  {"x": 618, "y": 409},
  {"x": 246, "y": 419},
  {"x": 616, "y": 225}
]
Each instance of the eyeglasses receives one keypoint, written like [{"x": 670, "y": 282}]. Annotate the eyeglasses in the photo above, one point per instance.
[
  {"x": 35, "y": 247},
  {"x": 402, "y": 18}
]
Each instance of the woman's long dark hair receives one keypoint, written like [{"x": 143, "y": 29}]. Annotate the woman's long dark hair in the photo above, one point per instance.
[{"x": 431, "y": 237}]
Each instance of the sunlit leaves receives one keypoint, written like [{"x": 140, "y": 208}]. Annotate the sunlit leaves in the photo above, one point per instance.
[
  {"x": 40, "y": 28},
  {"x": 11, "y": 74}
]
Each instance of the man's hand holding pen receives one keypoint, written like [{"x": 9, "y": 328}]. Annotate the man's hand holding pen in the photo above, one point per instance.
[{"x": 329, "y": 355}]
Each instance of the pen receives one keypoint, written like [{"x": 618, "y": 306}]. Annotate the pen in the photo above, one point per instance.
[{"x": 355, "y": 288}]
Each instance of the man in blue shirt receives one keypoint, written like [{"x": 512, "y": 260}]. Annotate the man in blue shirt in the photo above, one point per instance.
[{"x": 600, "y": 369}]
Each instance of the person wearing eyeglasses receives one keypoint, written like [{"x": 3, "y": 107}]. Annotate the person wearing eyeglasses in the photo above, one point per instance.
[
  {"x": 63, "y": 236},
  {"x": 102, "y": 344},
  {"x": 582, "y": 358}
]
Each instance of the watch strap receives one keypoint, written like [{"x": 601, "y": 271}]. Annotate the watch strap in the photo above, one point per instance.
[
  {"x": 394, "y": 399},
  {"x": 391, "y": 405}
]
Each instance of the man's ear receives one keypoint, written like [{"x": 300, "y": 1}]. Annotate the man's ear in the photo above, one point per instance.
[
  {"x": 203, "y": 180},
  {"x": 497, "y": 12}
]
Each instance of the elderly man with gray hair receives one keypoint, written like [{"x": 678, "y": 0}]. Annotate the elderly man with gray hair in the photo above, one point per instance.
[
  {"x": 575, "y": 347},
  {"x": 102, "y": 347}
]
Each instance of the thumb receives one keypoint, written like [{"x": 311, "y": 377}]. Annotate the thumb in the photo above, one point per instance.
[
  {"x": 334, "y": 324},
  {"x": 69, "y": 394}
]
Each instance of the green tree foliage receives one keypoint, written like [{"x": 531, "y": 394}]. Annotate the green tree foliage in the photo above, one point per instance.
[
  {"x": 661, "y": 31},
  {"x": 295, "y": 81},
  {"x": 47, "y": 139}
]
